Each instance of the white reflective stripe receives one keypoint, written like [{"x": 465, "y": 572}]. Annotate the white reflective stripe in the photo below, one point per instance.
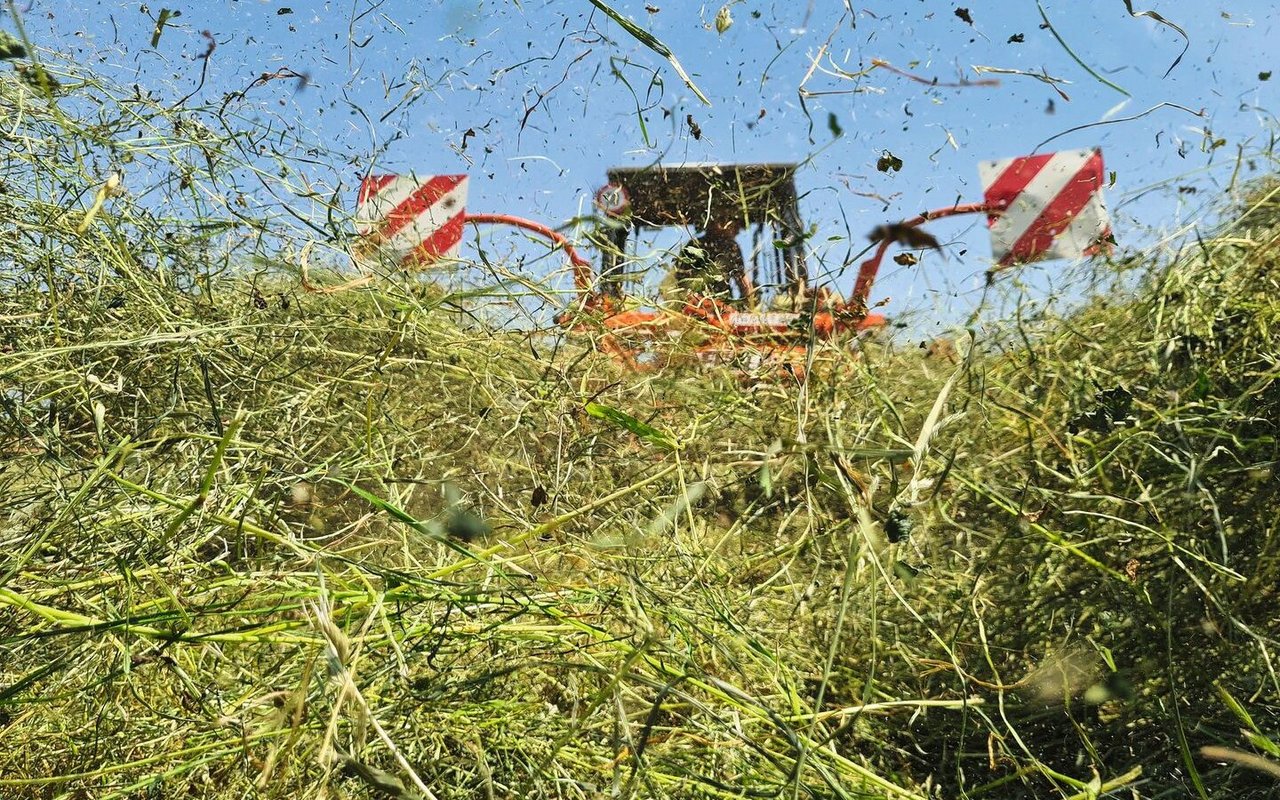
[
  {"x": 1034, "y": 198},
  {"x": 392, "y": 195},
  {"x": 430, "y": 220},
  {"x": 1083, "y": 231},
  {"x": 377, "y": 206},
  {"x": 763, "y": 320},
  {"x": 368, "y": 215}
]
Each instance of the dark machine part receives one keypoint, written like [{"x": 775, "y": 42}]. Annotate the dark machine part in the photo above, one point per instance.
[{"x": 761, "y": 196}]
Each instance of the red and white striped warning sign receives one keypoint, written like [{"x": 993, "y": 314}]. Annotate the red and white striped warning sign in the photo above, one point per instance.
[
  {"x": 1051, "y": 206},
  {"x": 416, "y": 219}
]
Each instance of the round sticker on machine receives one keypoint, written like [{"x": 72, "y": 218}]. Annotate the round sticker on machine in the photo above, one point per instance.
[{"x": 612, "y": 199}]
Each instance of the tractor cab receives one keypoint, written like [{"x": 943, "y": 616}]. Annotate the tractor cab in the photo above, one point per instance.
[
  {"x": 738, "y": 282},
  {"x": 706, "y": 200}
]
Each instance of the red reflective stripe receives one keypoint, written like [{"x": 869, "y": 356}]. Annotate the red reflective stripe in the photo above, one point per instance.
[
  {"x": 1015, "y": 177},
  {"x": 1039, "y": 235},
  {"x": 423, "y": 198},
  {"x": 445, "y": 238},
  {"x": 372, "y": 185}
]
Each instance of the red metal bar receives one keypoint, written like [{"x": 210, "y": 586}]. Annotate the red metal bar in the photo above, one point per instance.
[
  {"x": 867, "y": 272},
  {"x": 581, "y": 266}
]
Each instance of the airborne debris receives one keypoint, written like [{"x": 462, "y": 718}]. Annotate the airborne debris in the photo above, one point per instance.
[
  {"x": 963, "y": 13},
  {"x": 1046, "y": 25},
  {"x": 905, "y": 572},
  {"x": 37, "y": 77},
  {"x": 905, "y": 235},
  {"x": 1155, "y": 15},
  {"x": 1042, "y": 76},
  {"x": 650, "y": 41},
  {"x": 898, "y": 525},
  {"x": 539, "y": 497},
  {"x": 1111, "y": 407},
  {"x": 960, "y": 84},
  {"x": 161, "y": 21},
  {"x": 11, "y": 48},
  {"x": 724, "y": 19},
  {"x": 888, "y": 161}
]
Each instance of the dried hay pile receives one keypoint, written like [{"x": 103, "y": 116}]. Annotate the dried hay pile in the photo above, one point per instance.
[{"x": 264, "y": 543}]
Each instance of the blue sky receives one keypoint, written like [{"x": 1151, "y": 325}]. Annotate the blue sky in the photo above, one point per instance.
[{"x": 553, "y": 92}]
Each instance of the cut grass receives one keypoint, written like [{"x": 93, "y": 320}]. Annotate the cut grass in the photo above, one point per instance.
[{"x": 258, "y": 542}]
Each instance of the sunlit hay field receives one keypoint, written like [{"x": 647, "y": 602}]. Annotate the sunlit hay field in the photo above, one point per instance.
[{"x": 260, "y": 542}]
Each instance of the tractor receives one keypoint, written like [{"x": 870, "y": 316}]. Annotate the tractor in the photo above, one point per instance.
[{"x": 717, "y": 304}]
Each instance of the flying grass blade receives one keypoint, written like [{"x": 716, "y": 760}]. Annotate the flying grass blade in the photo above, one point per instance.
[{"x": 653, "y": 43}]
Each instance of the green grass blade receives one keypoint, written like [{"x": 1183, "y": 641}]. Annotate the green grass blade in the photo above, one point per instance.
[
  {"x": 1075, "y": 57},
  {"x": 627, "y": 422},
  {"x": 653, "y": 43}
]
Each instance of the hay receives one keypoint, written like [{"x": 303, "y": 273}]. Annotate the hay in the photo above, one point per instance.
[{"x": 260, "y": 542}]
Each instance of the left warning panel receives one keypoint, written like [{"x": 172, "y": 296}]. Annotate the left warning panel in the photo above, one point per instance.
[{"x": 416, "y": 219}]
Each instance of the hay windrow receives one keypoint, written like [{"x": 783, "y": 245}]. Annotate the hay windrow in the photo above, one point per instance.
[{"x": 263, "y": 542}]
